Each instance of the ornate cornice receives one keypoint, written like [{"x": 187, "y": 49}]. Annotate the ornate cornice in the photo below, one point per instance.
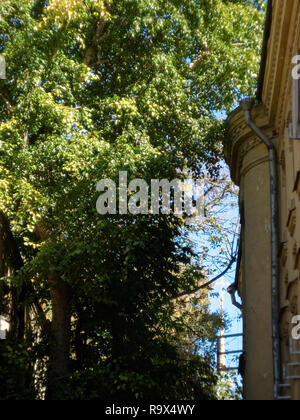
[
  {"x": 273, "y": 50},
  {"x": 241, "y": 140},
  {"x": 273, "y": 116},
  {"x": 292, "y": 41},
  {"x": 283, "y": 45}
]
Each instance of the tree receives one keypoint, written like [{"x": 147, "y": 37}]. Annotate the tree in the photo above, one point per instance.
[{"x": 95, "y": 87}]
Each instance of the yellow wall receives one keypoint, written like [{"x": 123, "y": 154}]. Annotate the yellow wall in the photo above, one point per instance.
[{"x": 248, "y": 161}]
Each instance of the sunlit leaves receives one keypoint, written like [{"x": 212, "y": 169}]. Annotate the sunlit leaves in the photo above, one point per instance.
[{"x": 96, "y": 87}]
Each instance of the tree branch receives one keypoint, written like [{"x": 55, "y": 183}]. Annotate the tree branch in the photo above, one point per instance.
[
  {"x": 10, "y": 263},
  {"x": 8, "y": 105},
  {"x": 206, "y": 285}
]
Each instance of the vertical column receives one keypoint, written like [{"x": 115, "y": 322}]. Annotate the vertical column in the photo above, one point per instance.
[{"x": 257, "y": 307}]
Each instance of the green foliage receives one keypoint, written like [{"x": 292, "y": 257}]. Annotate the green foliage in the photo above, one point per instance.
[
  {"x": 95, "y": 87},
  {"x": 228, "y": 388},
  {"x": 16, "y": 373}
]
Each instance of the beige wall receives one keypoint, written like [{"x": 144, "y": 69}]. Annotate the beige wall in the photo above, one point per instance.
[
  {"x": 257, "y": 276},
  {"x": 250, "y": 170},
  {"x": 247, "y": 159}
]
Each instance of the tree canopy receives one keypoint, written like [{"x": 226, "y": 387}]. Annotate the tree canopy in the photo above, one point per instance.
[{"x": 95, "y": 87}]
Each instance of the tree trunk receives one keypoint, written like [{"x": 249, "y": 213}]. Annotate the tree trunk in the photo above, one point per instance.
[
  {"x": 60, "y": 330},
  {"x": 10, "y": 263},
  {"x": 61, "y": 334}
]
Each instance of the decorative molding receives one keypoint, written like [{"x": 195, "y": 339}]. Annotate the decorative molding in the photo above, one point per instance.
[
  {"x": 297, "y": 184},
  {"x": 243, "y": 140},
  {"x": 294, "y": 305},
  {"x": 291, "y": 224},
  {"x": 292, "y": 296},
  {"x": 254, "y": 164},
  {"x": 297, "y": 260},
  {"x": 283, "y": 116},
  {"x": 273, "y": 50},
  {"x": 286, "y": 279},
  {"x": 247, "y": 146},
  {"x": 283, "y": 253}
]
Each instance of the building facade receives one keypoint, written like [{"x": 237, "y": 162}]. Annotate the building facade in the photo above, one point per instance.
[
  {"x": 4, "y": 327},
  {"x": 269, "y": 264}
]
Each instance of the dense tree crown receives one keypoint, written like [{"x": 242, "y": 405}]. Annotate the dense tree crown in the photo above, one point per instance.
[{"x": 96, "y": 87}]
